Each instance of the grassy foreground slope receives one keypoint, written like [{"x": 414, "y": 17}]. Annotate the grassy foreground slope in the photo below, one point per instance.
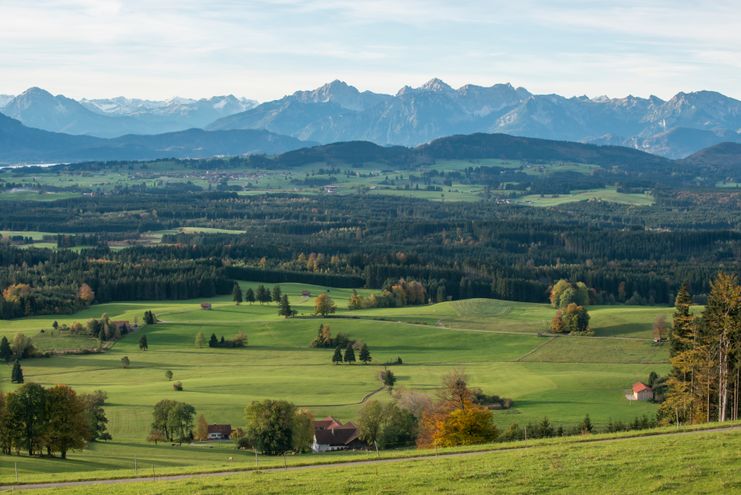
[
  {"x": 494, "y": 341},
  {"x": 701, "y": 462}
]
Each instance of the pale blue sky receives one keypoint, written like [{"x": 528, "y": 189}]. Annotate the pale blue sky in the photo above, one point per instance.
[{"x": 264, "y": 49}]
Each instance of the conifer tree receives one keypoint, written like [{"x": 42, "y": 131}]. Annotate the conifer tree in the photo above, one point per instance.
[
  {"x": 213, "y": 341},
  {"x": 285, "y": 307},
  {"x": 277, "y": 294},
  {"x": 16, "y": 375},
  {"x": 237, "y": 294},
  {"x": 249, "y": 295},
  {"x": 337, "y": 357},
  {"x": 349, "y": 354},
  {"x": 143, "y": 344},
  {"x": 5, "y": 351},
  {"x": 365, "y": 356}
]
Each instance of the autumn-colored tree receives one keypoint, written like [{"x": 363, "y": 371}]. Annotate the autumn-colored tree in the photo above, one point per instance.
[
  {"x": 86, "y": 294},
  {"x": 659, "y": 328},
  {"x": 324, "y": 305},
  {"x": 201, "y": 433},
  {"x": 200, "y": 340},
  {"x": 470, "y": 426},
  {"x": 455, "y": 392},
  {"x": 356, "y": 302},
  {"x": 557, "y": 324}
]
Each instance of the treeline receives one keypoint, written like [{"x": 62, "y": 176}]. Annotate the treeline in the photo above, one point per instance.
[
  {"x": 705, "y": 381},
  {"x": 48, "y": 421},
  {"x": 456, "y": 251}
]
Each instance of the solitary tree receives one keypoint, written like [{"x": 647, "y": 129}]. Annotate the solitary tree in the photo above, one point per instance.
[
  {"x": 237, "y": 294},
  {"x": 324, "y": 305},
  {"x": 349, "y": 354},
  {"x": 285, "y": 307},
  {"x": 200, "y": 340},
  {"x": 168, "y": 375},
  {"x": 659, "y": 328},
  {"x": 388, "y": 378},
  {"x": 125, "y": 362},
  {"x": 16, "y": 375},
  {"x": 365, "y": 356},
  {"x": 143, "y": 344},
  {"x": 337, "y": 357}
]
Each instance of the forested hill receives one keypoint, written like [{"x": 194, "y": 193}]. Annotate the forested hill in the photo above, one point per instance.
[
  {"x": 723, "y": 156},
  {"x": 472, "y": 147}
]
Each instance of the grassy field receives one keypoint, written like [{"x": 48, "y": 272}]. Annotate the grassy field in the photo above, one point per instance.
[
  {"x": 495, "y": 342},
  {"x": 698, "y": 462},
  {"x": 607, "y": 194}
]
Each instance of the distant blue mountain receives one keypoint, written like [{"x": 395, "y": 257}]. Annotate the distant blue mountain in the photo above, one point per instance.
[
  {"x": 339, "y": 112},
  {"x": 19, "y": 143}
]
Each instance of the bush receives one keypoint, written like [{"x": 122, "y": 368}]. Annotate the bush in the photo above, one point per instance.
[{"x": 177, "y": 386}]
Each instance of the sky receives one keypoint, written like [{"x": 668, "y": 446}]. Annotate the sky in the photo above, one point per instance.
[{"x": 264, "y": 49}]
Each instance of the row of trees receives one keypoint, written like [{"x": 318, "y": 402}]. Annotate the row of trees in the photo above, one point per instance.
[
  {"x": 705, "y": 382},
  {"x": 54, "y": 420},
  {"x": 349, "y": 354},
  {"x": 261, "y": 295}
]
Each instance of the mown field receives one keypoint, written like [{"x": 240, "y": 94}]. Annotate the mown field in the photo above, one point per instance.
[
  {"x": 698, "y": 462},
  {"x": 495, "y": 342}
]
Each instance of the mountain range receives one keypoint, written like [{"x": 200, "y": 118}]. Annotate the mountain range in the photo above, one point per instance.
[
  {"x": 114, "y": 117},
  {"x": 336, "y": 111}
]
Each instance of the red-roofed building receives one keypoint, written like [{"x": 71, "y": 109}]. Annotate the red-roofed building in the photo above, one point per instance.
[
  {"x": 641, "y": 391},
  {"x": 330, "y": 434},
  {"x": 219, "y": 432}
]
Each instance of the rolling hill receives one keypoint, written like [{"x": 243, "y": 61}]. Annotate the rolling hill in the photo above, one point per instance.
[{"x": 19, "y": 143}]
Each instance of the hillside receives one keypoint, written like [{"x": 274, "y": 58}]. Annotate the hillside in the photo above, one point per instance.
[
  {"x": 19, "y": 143},
  {"x": 723, "y": 156}
]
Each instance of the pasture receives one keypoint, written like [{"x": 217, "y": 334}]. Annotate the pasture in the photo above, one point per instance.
[{"x": 495, "y": 342}]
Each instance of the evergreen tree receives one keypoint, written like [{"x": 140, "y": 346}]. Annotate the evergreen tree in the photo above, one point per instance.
[
  {"x": 586, "y": 425},
  {"x": 682, "y": 323},
  {"x": 5, "y": 351},
  {"x": 237, "y": 294},
  {"x": 276, "y": 294},
  {"x": 349, "y": 354},
  {"x": 365, "y": 356},
  {"x": 337, "y": 357},
  {"x": 262, "y": 294},
  {"x": 213, "y": 341},
  {"x": 16, "y": 375},
  {"x": 249, "y": 296},
  {"x": 143, "y": 344},
  {"x": 285, "y": 307}
]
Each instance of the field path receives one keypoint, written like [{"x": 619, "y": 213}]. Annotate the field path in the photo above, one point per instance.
[{"x": 68, "y": 484}]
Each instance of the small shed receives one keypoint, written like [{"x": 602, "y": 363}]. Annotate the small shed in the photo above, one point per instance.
[
  {"x": 206, "y": 306},
  {"x": 219, "y": 432},
  {"x": 641, "y": 391}
]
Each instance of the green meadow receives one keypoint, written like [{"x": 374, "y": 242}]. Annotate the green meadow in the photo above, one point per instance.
[
  {"x": 688, "y": 463},
  {"x": 495, "y": 342}
]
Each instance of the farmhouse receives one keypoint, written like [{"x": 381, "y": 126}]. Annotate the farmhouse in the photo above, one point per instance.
[
  {"x": 206, "y": 306},
  {"x": 330, "y": 435},
  {"x": 641, "y": 391},
  {"x": 219, "y": 432}
]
